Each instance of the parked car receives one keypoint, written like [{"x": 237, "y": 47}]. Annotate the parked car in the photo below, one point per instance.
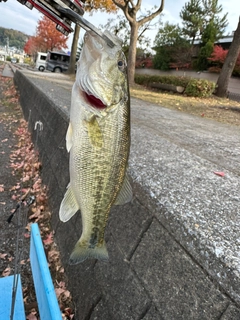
[
  {"x": 13, "y": 60},
  {"x": 41, "y": 61},
  {"x": 57, "y": 61}
]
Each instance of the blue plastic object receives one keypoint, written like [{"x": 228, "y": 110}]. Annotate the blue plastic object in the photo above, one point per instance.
[
  {"x": 47, "y": 301},
  {"x": 6, "y": 285}
]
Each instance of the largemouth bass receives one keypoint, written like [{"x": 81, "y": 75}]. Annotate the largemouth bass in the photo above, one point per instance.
[{"x": 98, "y": 139}]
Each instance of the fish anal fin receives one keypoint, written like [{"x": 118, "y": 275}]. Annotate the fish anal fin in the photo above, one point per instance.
[
  {"x": 68, "y": 206},
  {"x": 125, "y": 195},
  {"x": 82, "y": 252},
  {"x": 69, "y": 137}
]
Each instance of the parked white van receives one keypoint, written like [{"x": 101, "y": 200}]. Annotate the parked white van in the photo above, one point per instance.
[{"x": 41, "y": 61}]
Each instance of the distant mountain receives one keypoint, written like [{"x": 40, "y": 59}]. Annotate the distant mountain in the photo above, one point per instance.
[{"x": 16, "y": 38}]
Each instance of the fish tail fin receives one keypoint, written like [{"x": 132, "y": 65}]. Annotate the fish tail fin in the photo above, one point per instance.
[{"x": 81, "y": 253}]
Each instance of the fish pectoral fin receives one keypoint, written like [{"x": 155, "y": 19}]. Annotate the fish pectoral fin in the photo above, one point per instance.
[
  {"x": 81, "y": 253},
  {"x": 69, "y": 137},
  {"x": 68, "y": 206},
  {"x": 125, "y": 195}
]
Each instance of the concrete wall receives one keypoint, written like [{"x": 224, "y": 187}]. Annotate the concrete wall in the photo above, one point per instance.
[{"x": 150, "y": 275}]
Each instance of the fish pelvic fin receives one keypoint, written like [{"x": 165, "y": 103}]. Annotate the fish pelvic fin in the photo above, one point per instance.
[
  {"x": 125, "y": 194},
  {"x": 81, "y": 253},
  {"x": 68, "y": 205}
]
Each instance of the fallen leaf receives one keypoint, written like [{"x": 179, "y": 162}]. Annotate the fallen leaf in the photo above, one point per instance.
[
  {"x": 59, "y": 291},
  {"x": 14, "y": 197},
  {"x": 3, "y": 255},
  {"x": 61, "y": 284},
  {"x": 32, "y": 316},
  {"x": 219, "y": 173},
  {"x": 49, "y": 239},
  {"x": 6, "y": 272},
  {"x": 67, "y": 293},
  {"x": 35, "y": 215},
  {"x": 26, "y": 235},
  {"x": 28, "y": 227},
  {"x": 1, "y": 188}
]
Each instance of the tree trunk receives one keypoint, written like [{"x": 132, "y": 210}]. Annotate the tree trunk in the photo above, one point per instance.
[
  {"x": 71, "y": 68},
  {"x": 229, "y": 64},
  {"x": 132, "y": 52}
]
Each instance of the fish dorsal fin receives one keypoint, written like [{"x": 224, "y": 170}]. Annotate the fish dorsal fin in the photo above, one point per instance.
[
  {"x": 69, "y": 137},
  {"x": 125, "y": 195},
  {"x": 68, "y": 206}
]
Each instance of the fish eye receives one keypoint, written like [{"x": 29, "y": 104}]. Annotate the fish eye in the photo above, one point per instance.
[{"x": 121, "y": 65}]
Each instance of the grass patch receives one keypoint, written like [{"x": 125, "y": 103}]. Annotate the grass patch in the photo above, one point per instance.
[{"x": 219, "y": 109}]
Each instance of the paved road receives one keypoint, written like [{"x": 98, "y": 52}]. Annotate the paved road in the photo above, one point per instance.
[{"x": 7, "y": 71}]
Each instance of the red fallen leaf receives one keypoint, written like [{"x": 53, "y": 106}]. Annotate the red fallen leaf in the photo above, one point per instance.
[
  {"x": 27, "y": 235},
  {"x": 202, "y": 115},
  {"x": 68, "y": 313},
  {"x": 14, "y": 197},
  {"x": 49, "y": 239},
  {"x": 219, "y": 173}
]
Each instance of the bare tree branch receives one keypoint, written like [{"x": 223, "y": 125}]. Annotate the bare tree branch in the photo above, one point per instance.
[{"x": 153, "y": 15}]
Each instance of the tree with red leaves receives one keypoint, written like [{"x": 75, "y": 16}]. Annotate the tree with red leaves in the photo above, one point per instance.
[
  {"x": 218, "y": 55},
  {"x": 30, "y": 47},
  {"x": 47, "y": 38}
]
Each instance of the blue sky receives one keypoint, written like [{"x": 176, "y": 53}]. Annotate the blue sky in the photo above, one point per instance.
[{"x": 16, "y": 16}]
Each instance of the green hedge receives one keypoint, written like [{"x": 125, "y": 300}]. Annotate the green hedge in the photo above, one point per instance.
[{"x": 193, "y": 87}]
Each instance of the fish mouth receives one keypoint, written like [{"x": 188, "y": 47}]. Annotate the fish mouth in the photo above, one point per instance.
[{"x": 94, "y": 101}]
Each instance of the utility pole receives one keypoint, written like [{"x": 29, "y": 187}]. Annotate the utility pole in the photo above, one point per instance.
[{"x": 7, "y": 47}]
